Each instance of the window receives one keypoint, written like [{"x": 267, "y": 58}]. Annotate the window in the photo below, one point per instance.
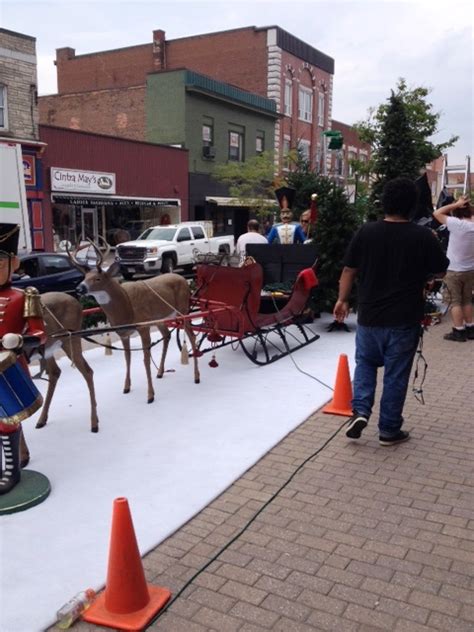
[
  {"x": 208, "y": 133},
  {"x": 236, "y": 146},
  {"x": 321, "y": 104},
  {"x": 53, "y": 265},
  {"x": 339, "y": 164},
  {"x": 198, "y": 232},
  {"x": 350, "y": 168},
  {"x": 286, "y": 152},
  {"x": 288, "y": 96},
  {"x": 260, "y": 142},
  {"x": 184, "y": 235},
  {"x": 305, "y": 104},
  {"x": 3, "y": 107},
  {"x": 304, "y": 149},
  {"x": 29, "y": 267}
]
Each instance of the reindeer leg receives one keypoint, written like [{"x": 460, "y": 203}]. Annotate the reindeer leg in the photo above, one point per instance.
[
  {"x": 53, "y": 371},
  {"x": 166, "y": 340},
  {"x": 74, "y": 352},
  {"x": 192, "y": 339},
  {"x": 126, "y": 346},
  {"x": 146, "y": 342}
]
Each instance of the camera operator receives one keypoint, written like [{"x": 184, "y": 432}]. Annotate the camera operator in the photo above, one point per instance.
[{"x": 459, "y": 280}]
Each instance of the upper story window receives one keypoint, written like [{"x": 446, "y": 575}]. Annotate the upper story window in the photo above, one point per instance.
[
  {"x": 305, "y": 104},
  {"x": 286, "y": 152},
  {"x": 236, "y": 146},
  {"x": 321, "y": 105},
  {"x": 260, "y": 142},
  {"x": 3, "y": 107},
  {"x": 350, "y": 167},
  {"x": 208, "y": 133},
  {"x": 288, "y": 96},
  {"x": 304, "y": 147}
]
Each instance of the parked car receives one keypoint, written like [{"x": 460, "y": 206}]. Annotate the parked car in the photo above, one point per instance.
[
  {"x": 165, "y": 248},
  {"x": 47, "y": 271}
]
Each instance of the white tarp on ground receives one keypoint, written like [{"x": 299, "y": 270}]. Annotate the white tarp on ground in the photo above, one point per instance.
[{"x": 169, "y": 459}]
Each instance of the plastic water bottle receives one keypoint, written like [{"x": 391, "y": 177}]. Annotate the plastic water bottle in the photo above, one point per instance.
[{"x": 72, "y": 610}]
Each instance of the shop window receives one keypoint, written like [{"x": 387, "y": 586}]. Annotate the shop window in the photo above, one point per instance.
[
  {"x": 3, "y": 107},
  {"x": 236, "y": 146},
  {"x": 288, "y": 96},
  {"x": 305, "y": 104},
  {"x": 260, "y": 142}
]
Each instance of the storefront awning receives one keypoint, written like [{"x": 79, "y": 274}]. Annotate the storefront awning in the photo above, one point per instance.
[
  {"x": 232, "y": 201},
  {"x": 112, "y": 200}
]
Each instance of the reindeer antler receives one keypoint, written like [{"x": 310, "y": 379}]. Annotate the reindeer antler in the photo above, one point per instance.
[{"x": 73, "y": 257}]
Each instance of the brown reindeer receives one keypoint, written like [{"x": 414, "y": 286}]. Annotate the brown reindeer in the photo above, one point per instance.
[
  {"x": 161, "y": 297},
  {"x": 62, "y": 313}
]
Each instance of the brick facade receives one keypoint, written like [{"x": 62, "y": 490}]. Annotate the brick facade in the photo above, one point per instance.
[
  {"x": 115, "y": 112},
  {"x": 255, "y": 59},
  {"x": 19, "y": 82}
]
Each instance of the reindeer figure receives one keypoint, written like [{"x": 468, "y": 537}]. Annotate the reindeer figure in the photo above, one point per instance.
[
  {"x": 158, "y": 298},
  {"x": 62, "y": 312}
]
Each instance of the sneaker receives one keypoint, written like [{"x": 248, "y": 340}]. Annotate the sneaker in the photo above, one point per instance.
[
  {"x": 458, "y": 335},
  {"x": 470, "y": 333},
  {"x": 400, "y": 437},
  {"x": 356, "y": 424}
]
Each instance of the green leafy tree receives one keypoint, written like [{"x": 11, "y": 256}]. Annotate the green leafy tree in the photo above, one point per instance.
[
  {"x": 399, "y": 132},
  {"x": 251, "y": 182}
]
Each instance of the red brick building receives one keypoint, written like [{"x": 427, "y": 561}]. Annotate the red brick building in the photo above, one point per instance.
[
  {"x": 95, "y": 184},
  {"x": 105, "y": 92}
]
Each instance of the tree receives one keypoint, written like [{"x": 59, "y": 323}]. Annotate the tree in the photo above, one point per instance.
[
  {"x": 399, "y": 132},
  {"x": 337, "y": 222},
  {"x": 251, "y": 182}
]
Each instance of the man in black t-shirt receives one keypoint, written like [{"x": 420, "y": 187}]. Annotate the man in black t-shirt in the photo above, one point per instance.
[{"x": 392, "y": 260}]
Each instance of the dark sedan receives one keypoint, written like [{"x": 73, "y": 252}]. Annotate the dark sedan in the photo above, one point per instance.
[{"x": 47, "y": 271}]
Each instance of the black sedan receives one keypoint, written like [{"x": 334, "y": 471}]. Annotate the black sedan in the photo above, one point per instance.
[{"x": 47, "y": 271}]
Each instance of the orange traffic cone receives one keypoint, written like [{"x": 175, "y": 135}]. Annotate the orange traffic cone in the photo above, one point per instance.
[
  {"x": 128, "y": 602},
  {"x": 341, "y": 402}
]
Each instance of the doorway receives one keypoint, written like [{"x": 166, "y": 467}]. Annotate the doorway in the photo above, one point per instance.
[{"x": 89, "y": 224}]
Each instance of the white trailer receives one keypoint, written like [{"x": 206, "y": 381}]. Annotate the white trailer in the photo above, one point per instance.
[{"x": 13, "y": 205}]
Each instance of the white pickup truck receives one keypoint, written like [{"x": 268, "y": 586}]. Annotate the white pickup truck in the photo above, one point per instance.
[{"x": 165, "y": 248}]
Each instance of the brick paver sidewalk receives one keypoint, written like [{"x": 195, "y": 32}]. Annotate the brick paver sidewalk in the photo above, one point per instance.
[{"x": 363, "y": 538}]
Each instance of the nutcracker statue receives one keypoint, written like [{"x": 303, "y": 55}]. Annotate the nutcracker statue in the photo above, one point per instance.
[
  {"x": 287, "y": 231},
  {"x": 21, "y": 330}
]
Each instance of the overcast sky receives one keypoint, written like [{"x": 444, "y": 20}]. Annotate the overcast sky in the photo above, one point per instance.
[{"x": 429, "y": 43}]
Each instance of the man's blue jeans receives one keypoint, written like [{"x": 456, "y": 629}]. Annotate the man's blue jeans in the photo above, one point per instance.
[{"x": 393, "y": 348}]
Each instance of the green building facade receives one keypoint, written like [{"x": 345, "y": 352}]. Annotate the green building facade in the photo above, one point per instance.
[{"x": 217, "y": 123}]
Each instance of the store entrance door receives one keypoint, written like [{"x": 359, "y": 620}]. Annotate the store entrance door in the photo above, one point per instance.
[{"x": 89, "y": 224}]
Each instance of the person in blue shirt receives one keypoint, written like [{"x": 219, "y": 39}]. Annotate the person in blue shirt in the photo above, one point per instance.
[{"x": 287, "y": 231}]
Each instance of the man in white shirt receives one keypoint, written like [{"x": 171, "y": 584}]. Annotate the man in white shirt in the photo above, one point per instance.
[
  {"x": 251, "y": 237},
  {"x": 459, "y": 220}
]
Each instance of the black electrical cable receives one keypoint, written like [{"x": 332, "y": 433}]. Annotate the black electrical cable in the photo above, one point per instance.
[{"x": 246, "y": 526}]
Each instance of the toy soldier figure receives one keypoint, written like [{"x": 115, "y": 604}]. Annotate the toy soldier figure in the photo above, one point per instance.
[
  {"x": 287, "y": 232},
  {"x": 21, "y": 329}
]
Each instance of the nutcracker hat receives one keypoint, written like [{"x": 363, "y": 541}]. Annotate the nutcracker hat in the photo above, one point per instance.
[
  {"x": 9, "y": 234},
  {"x": 285, "y": 197}
]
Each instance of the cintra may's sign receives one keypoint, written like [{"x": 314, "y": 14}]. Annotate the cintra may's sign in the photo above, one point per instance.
[{"x": 78, "y": 181}]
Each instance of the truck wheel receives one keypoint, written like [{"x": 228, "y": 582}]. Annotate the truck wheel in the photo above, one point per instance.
[
  {"x": 167, "y": 265},
  {"x": 128, "y": 276}
]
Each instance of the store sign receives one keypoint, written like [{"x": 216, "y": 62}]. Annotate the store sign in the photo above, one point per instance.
[{"x": 76, "y": 181}]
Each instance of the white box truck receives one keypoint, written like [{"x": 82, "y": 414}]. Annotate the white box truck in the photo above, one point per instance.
[{"x": 13, "y": 205}]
